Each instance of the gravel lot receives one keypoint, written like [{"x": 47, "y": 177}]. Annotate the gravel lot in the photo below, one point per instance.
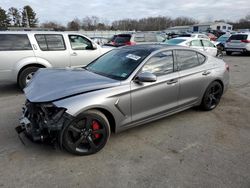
[{"x": 189, "y": 149}]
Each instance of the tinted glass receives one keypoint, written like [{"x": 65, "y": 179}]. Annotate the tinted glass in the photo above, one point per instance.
[
  {"x": 50, "y": 42},
  {"x": 78, "y": 42},
  {"x": 122, "y": 38},
  {"x": 160, "y": 64},
  {"x": 201, "y": 58},
  {"x": 207, "y": 43},
  {"x": 118, "y": 63},
  {"x": 10, "y": 42},
  {"x": 196, "y": 43},
  {"x": 186, "y": 59},
  {"x": 175, "y": 41},
  {"x": 238, "y": 37},
  {"x": 222, "y": 38}
]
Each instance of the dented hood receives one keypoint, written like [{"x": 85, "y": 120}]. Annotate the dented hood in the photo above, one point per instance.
[{"x": 54, "y": 84}]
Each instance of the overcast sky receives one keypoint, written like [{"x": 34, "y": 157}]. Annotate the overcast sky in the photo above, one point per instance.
[{"x": 63, "y": 11}]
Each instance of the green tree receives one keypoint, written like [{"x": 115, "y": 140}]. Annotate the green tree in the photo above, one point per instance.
[
  {"x": 29, "y": 17},
  {"x": 15, "y": 16},
  {"x": 4, "y": 19}
]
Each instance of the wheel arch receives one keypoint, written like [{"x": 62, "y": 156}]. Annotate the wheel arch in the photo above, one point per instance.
[
  {"x": 109, "y": 116},
  {"x": 220, "y": 81},
  {"x": 29, "y": 65},
  {"x": 29, "y": 62}
]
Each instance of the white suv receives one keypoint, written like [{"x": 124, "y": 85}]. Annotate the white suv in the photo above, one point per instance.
[
  {"x": 23, "y": 53},
  {"x": 239, "y": 42}
]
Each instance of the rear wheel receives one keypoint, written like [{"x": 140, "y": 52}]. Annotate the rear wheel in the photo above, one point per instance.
[
  {"x": 212, "y": 96},
  {"x": 228, "y": 53},
  {"x": 26, "y": 75},
  {"x": 86, "y": 134}
]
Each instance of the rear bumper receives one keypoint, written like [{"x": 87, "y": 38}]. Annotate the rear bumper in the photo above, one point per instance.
[{"x": 237, "y": 49}]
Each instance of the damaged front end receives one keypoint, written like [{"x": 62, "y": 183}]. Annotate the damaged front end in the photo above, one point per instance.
[{"x": 42, "y": 121}]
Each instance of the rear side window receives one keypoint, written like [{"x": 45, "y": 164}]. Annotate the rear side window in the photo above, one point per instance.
[
  {"x": 207, "y": 43},
  {"x": 12, "y": 42},
  {"x": 201, "y": 58},
  {"x": 50, "y": 42},
  {"x": 196, "y": 43},
  {"x": 186, "y": 59},
  {"x": 238, "y": 37}
]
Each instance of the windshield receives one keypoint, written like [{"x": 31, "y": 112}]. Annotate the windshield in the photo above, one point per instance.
[
  {"x": 175, "y": 41},
  {"x": 118, "y": 63}
]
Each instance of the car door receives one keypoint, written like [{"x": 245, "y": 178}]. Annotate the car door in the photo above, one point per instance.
[
  {"x": 82, "y": 51},
  {"x": 209, "y": 47},
  {"x": 194, "y": 76},
  {"x": 52, "y": 48},
  {"x": 149, "y": 99}
]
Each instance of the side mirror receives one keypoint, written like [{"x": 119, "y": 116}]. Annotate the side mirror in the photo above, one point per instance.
[
  {"x": 94, "y": 46},
  {"x": 146, "y": 77}
]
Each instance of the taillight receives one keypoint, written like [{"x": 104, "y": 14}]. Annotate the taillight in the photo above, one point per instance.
[
  {"x": 129, "y": 43},
  {"x": 245, "y": 41},
  {"x": 227, "y": 67}
]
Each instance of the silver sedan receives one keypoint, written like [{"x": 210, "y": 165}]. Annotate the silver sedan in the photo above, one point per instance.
[{"x": 126, "y": 87}]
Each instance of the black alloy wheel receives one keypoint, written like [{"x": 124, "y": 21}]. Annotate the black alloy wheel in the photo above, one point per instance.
[
  {"x": 212, "y": 96},
  {"x": 86, "y": 134}
]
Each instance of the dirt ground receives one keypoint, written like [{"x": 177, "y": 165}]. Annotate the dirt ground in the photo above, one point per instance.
[{"x": 189, "y": 149}]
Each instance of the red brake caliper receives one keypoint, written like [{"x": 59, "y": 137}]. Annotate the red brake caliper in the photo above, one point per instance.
[{"x": 96, "y": 126}]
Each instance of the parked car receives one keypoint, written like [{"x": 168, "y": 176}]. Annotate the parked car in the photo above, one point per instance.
[
  {"x": 221, "y": 41},
  {"x": 211, "y": 36},
  {"x": 201, "y": 44},
  {"x": 126, "y": 87},
  {"x": 135, "y": 38},
  {"x": 239, "y": 42},
  {"x": 23, "y": 53}
]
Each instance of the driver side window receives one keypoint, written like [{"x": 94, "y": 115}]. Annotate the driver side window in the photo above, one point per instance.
[
  {"x": 78, "y": 42},
  {"x": 160, "y": 64}
]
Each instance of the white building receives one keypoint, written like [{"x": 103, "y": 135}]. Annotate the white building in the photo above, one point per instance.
[
  {"x": 221, "y": 26},
  {"x": 201, "y": 27}
]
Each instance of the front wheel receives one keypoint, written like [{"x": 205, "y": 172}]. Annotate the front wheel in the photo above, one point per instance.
[
  {"x": 86, "y": 134},
  {"x": 26, "y": 75},
  {"x": 212, "y": 96}
]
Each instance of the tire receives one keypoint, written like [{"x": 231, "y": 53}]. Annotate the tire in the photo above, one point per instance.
[
  {"x": 228, "y": 53},
  {"x": 23, "y": 76},
  {"x": 87, "y": 134},
  {"x": 212, "y": 96}
]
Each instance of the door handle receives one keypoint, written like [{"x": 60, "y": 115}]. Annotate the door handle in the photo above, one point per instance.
[
  {"x": 205, "y": 73},
  {"x": 74, "y": 54},
  {"x": 172, "y": 81}
]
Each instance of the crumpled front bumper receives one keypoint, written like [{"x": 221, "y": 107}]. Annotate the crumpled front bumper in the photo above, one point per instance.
[{"x": 41, "y": 121}]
